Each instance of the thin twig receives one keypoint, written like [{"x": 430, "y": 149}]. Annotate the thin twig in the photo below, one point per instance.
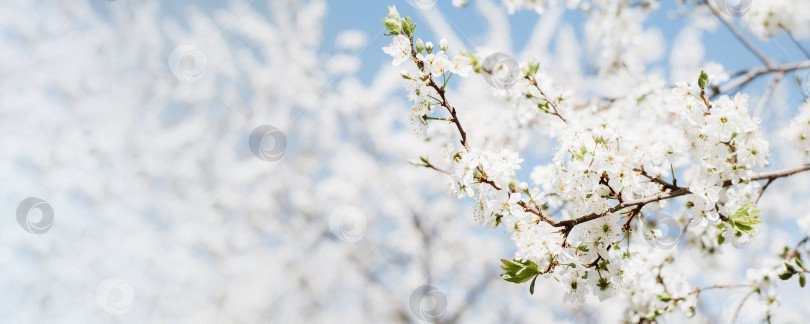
[
  {"x": 794, "y": 251},
  {"x": 762, "y": 191},
  {"x": 755, "y": 72},
  {"x": 768, "y": 93},
  {"x": 739, "y": 35},
  {"x": 739, "y": 307},
  {"x": 533, "y": 81},
  {"x": 657, "y": 180}
]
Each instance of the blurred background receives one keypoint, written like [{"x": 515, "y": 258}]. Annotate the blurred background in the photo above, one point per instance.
[{"x": 247, "y": 161}]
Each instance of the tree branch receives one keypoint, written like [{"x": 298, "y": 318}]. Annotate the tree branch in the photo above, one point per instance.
[
  {"x": 739, "y": 35},
  {"x": 553, "y": 104},
  {"x": 440, "y": 91},
  {"x": 643, "y": 201},
  {"x": 753, "y": 73}
]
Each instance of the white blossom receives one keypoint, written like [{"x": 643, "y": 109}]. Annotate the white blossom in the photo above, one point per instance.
[{"x": 399, "y": 49}]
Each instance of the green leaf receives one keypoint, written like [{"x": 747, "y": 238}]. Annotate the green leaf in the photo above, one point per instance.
[
  {"x": 532, "y": 67},
  {"x": 786, "y": 275},
  {"x": 665, "y": 297},
  {"x": 477, "y": 68},
  {"x": 517, "y": 271},
  {"x": 745, "y": 218},
  {"x": 393, "y": 26},
  {"x": 653, "y": 314},
  {"x": 579, "y": 155},
  {"x": 544, "y": 107},
  {"x": 784, "y": 252},
  {"x": 703, "y": 80},
  {"x": 790, "y": 268},
  {"x": 799, "y": 262},
  {"x": 531, "y": 286},
  {"x": 802, "y": 279}
]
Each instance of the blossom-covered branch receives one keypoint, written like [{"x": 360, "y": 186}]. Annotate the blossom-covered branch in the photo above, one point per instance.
[{"x": 615, "y": 171}]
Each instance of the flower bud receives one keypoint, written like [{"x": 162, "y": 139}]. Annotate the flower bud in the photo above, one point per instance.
[{"x": 420, "y": 45}]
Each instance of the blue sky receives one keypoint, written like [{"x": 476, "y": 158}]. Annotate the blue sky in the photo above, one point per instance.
[{"x": 721, "y": 46}]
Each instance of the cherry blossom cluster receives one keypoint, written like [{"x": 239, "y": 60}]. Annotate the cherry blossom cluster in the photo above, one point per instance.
[
  {"x": 725, "y": 144},
  {"x": 423, "y": 91},
  {"x": 798, "y": 132},
  {"x": 766, "y": 18},
  {"x": 659, "y": 289}
]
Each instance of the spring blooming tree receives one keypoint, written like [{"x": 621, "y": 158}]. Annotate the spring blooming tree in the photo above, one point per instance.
[
  {"x": 682, "y": 167},
  {"x": 133, "y": 124}
]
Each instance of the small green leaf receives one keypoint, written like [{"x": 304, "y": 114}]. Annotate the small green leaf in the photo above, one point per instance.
[
  {"x": 784, "y": 252},
  {"x": 665, "y": 297},
  {"x": 393, "y": 26},
  {"x": 653, "y": 314},
  {"x": 518, "y": 271},
  {"x": 544, "y": 107},
  {"x": 532, "y": 67},
  {"x": 703, "y": 80},
  {"x": 786, "y": 275},
  {"x": 531, "y": 286},
  {"x": 802, "y": 279},
  {"x": 745, "y": 218},
  {"x": 799, "y": 262},
  {"x": 579, "y": 155},
  {"x": 790, "y": 268}
]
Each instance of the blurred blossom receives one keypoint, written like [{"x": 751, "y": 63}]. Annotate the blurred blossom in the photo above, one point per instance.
[
  {"x": 351, "y": 40},
  {"x": 228, "y": 168}
]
